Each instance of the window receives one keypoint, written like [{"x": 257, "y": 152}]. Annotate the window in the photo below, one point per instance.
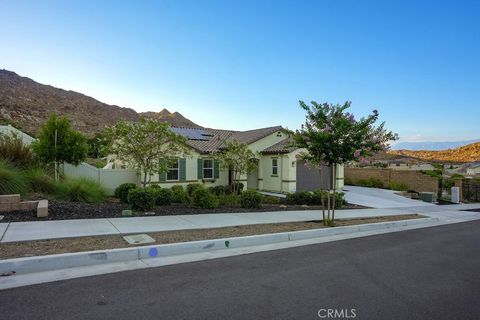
[
  {"x": 172, "y": 170},
  {"x": 274, "y": 166},
  {"x": 207, "y": 169}
]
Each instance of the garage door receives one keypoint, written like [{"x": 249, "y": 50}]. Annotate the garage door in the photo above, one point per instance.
[{"x": 309, "y": 179}]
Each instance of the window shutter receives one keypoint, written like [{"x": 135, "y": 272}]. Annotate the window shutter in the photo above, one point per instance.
[
  {"x": 162, "y": 176},
  {"x": 182, "y": 167},
  {"x": 216, "y": 169},
  {"x": 200, "y": 168}
]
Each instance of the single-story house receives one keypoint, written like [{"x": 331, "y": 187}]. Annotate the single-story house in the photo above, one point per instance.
[
  {"x": 280, "y": 168},
  {"x": 473, "y": 169}
]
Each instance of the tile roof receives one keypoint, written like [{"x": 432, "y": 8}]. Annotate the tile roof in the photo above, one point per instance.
[
  {"x": 283, "y": 146},
  {"x": 218, "y": 137}
]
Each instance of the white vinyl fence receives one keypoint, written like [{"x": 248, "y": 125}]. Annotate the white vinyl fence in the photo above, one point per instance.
[
  {"x": 108, "y": 178},
  {"x": 9, "y": 130}
]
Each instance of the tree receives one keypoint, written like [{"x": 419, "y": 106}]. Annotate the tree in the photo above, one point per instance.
[
  {"x": 97, "y": 145},
  {"x": 332, "y": 136},
  {"x": 58, "y": 143},
  {"x": 146, "y": 145},
  {"x": 237, "y": 157}
]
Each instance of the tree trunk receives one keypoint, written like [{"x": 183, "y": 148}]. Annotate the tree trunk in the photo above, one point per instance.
[
  {"x": 334, "y": 191},
  {"x": 321, "y": 195},
  {"x": 145, "y": 180}
]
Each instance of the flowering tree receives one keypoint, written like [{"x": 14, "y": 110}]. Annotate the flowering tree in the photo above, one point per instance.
[
  {"x": 332, "y": 136},
  {"x": 145, "y": 144}
]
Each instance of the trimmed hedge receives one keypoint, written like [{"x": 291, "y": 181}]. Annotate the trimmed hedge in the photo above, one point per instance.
[
  {"x": 314, "y": 198},
  {"x": 179, "y": 194},
  {"x": 163, "y": 196},
  {"x": 141, "y": 199},
  {"x": 121, "y": 192},
  {"x": 370, "y": 183},
  {"x": 204, "y": 199},
  {"x": 191, "y": 187},
  {"x": 251, "y": 199},
  {"x": 217, "y": 190}
]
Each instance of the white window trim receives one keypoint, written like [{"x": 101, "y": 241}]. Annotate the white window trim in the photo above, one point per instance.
[
  {"x": 211, "y": 168},
  {"x": 178, "y": 171},
  {"x": 275, "y": 174}
]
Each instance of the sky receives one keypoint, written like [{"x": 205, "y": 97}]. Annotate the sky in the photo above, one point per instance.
[{"x": 245, "y": 64}]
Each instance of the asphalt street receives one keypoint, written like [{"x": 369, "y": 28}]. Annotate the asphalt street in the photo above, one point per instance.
[{"x": 431, "y": 273}]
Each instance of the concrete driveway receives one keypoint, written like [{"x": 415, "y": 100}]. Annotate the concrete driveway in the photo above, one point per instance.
[{"x": 379, "y": 198}]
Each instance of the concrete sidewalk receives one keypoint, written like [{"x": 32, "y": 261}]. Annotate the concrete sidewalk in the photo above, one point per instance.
[{"x": 25, "y": 231}]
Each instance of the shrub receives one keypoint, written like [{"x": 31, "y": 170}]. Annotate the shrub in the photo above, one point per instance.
[
  {"x": 370, "y": 183},
  {"x": 121, "y": 192},
  {"x": 348, "y": 182},
  {"x": 229, "y": 188},
  {"x": 38, "y": 180},
  {"x": 202, "y": 198},
  {"x": 163, "y": 196},
  {"x": 398, "y": 186},
  {"x": 178, "y": 194},
  {"x": 11, "y": 181},
  {"x": 272, "y": 200},
  {"x": 228, "y": 199},
  {"x": 80, "y": 190},
  {"x": 251, "y": 199},
  {"x": 191, "y": 187},
  {"x": 141, "y": 199},
  {"x": 217, "y": 190},
  {"x": 299, "y": 198},
  {"x": 318, "y": 194},
  {"x": 15, "y": 151}
]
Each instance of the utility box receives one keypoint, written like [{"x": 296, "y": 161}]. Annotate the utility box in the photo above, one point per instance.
[
  {"x": 455, "y": 195},
  {"x": 428, "y": 196}
]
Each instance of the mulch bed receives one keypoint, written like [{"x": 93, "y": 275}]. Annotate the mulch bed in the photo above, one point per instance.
[
  {"x": 58, "y": 210},
  {"x": 11, "y": 250}
]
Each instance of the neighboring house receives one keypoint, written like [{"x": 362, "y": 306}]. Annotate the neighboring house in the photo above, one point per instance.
[
  {"x": 278, "y": 166},
  {"x": 9, "y": 130},
  {"x": 473, "y": 170}
]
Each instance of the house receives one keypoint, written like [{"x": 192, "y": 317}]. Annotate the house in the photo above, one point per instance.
[
  {"x": 279, "y": 164},
  {"x": 422, "y": 167},
  {"x": 399, "y": 164},
  {"x": 473, "y": 169}
]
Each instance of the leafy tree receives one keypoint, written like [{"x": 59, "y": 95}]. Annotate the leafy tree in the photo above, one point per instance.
[
  {"x": 97, "y": 145},
  {"x": 145, "y": 144},
  {"x": 237, "y": 157},
  {"x": 332, "y": 136},
  {"x": 58, "y": 143}
]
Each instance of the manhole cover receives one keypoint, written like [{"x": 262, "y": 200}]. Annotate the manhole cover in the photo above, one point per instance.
[{"x": 139, "y": 239}]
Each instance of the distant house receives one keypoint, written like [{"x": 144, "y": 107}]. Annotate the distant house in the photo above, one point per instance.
[
  {"x": 399, "y": 164},
  {"x": 473, "y": 169},
  {"x": 279, "y": 167},
  {"x": 422, "y": 167}
]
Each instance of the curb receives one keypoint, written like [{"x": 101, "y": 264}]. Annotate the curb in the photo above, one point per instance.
[{"x": 91, "y": 258}]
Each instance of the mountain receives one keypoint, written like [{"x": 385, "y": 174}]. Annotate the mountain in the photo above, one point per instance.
[
  {"x": 27, "y": 104},
  {"x": 468, "y": 153},
  {"x": 431, "y": 145}
]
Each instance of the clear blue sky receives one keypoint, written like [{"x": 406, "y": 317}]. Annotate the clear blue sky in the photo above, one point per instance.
[{"x": 245, "y": 64}]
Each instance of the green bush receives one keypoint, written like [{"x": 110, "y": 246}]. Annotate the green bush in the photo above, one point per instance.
[
  {"x": 251, "y": 199},
  {"x": 121, "y": 192},
  {"x": 141, "y": 199},
  {"x": 38, "y": 180},
  {"x": 370, "y": 183},
  {"x": 191, "y": 187},
  {"x": 163, "y": 196},
  {"x": 300, "y": 198},
  {"x": 202, "y": 198},
  {"x": 178, "y": 194},
  {"x": 238, "y": 185},
  {"x": 15, "y": 151},
  {"x": 217, "y": 190},
  {"x": 318, "y": 194},
  {"x": 398, "y": 186},
  {"x": 80, "y": 190},
  {"x": 272, "y": 200},
  {"x": 11, "y": 180},
  {"x": 348, "y": 182},
  {"x": 228, "y": 199}
]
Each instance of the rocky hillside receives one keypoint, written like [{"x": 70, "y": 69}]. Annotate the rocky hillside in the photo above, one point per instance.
[
  {"x": 27, "y": 104},
  {"x": 468, "y": 153}
]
